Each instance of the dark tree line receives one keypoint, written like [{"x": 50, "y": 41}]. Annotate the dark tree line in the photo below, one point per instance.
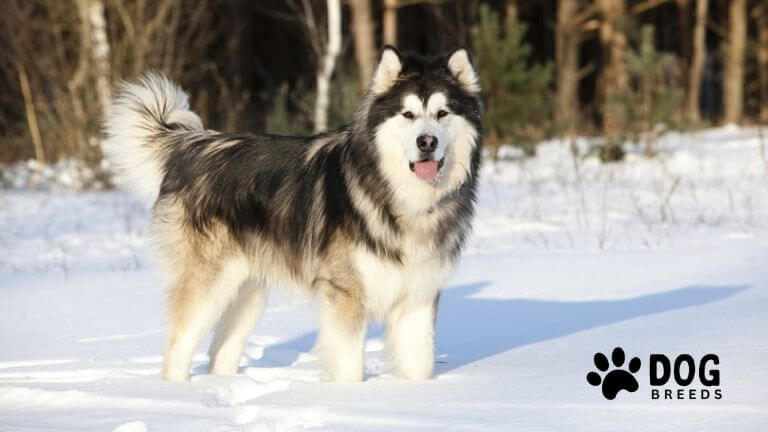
[{"x": 616, "y": 68}]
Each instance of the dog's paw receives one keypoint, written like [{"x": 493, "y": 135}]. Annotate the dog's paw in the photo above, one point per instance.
[{"x": 175, "y": 375}]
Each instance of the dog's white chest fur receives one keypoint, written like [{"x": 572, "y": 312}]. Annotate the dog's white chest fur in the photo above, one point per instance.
[{"x": 420, "y": 276}]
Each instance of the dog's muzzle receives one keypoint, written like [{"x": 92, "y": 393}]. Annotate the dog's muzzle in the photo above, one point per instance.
[{"x": 427, "y": 168}]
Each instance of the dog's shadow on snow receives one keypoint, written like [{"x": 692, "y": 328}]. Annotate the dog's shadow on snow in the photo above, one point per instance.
[{"x": 471, "y": 328}]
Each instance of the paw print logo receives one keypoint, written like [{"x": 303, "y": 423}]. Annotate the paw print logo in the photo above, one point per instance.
[{"x": 617, "y": 379}]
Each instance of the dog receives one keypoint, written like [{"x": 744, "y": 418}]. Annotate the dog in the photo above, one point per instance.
[{"x": 369, "y": 219}]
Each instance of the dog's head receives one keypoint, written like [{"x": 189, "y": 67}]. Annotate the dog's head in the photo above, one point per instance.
[{"x": 424, "y": 115}]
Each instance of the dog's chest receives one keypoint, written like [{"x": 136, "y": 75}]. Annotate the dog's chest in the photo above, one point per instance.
[{"x": 420, "y": 276}]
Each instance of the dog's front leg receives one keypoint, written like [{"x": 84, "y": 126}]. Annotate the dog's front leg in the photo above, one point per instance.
[
  {"x": 342, "y": 331},
  {"x": 410, "y": 337}
]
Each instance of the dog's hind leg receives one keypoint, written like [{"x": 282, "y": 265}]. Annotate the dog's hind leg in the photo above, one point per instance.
[
  {"x": 196, "y": 301},
  {"x": 234, "y": 328},
  {"x": 342, "y": 331}
]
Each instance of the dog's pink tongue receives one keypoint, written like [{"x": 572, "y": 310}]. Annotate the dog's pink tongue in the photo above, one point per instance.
[{"x": 425, "y": 170}]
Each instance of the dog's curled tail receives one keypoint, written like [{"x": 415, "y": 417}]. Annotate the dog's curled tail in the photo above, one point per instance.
[{"x": 141, "y": 125}]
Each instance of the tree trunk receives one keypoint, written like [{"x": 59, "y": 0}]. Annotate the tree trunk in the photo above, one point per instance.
[
  {"x": 698, "y": 54},
  {"x": 567, "y": 62},
  {"x": 761, "y": 16},
  {"x": 365, "y": 48},
  {"x": 389, "y": 22},
  {"x": 94, "y": 34},
  {"x": 511, "y": 11},
  {"x": 461, "y": 23},
  {"x": 329, "y": 61},
  {"x": 614, "y": 78},
  {"x": 29, "y": 106},
  {"x": 733, "y": 76},
  {"x": 684, "y": 28}
]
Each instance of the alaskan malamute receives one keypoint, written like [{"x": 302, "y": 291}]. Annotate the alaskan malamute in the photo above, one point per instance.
[{"x": 369, "y": 219}]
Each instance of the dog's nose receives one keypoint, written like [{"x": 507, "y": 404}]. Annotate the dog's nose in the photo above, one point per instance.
[{"x": 426, "y": 143}]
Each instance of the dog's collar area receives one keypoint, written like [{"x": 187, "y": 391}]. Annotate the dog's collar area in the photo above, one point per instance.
[{"x": 447, "y": 197}]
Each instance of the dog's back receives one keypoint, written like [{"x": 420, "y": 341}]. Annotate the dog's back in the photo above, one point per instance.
[{"x": 349, "y": 216}]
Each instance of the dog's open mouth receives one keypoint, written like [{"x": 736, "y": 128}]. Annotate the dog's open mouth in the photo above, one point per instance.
[{"x": 427, "y": 169}]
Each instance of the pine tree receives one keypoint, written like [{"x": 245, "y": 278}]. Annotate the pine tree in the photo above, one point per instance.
[
  {"x": 654, "y": 97},
  {"x": 516, "y": 93}
]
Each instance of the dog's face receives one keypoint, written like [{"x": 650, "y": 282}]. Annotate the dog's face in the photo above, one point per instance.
[{"x": 426, "y": 118}]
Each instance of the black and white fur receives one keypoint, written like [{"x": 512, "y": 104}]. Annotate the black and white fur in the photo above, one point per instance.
[{"x": 340, "y": 215}]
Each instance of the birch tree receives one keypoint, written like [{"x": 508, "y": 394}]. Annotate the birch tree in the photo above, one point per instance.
[
  {"x": 325, "y": 71},
  {"x": 96, "y": 45}
]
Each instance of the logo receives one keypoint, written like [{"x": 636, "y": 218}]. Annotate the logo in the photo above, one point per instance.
[
  {"x": 668, "y": 379},
  {"x": 617, "y": 379}
]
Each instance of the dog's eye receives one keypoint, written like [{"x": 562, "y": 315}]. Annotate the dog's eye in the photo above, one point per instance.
[
  {"x": 408, "y": 115},
  {"x": 441, "y": 114}
]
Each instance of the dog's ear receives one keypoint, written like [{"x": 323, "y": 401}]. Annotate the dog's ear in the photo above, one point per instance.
[
  {"x": 388, "y": 68},
  {"x": 461, "y": 67}
]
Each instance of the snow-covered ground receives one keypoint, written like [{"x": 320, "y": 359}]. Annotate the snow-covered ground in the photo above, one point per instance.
[{"x": 569, "y": 258}]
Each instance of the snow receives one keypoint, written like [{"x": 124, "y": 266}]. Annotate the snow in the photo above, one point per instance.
[
  {"x": 664, "y": 255},
  {"x": 64, "y": 175}
]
